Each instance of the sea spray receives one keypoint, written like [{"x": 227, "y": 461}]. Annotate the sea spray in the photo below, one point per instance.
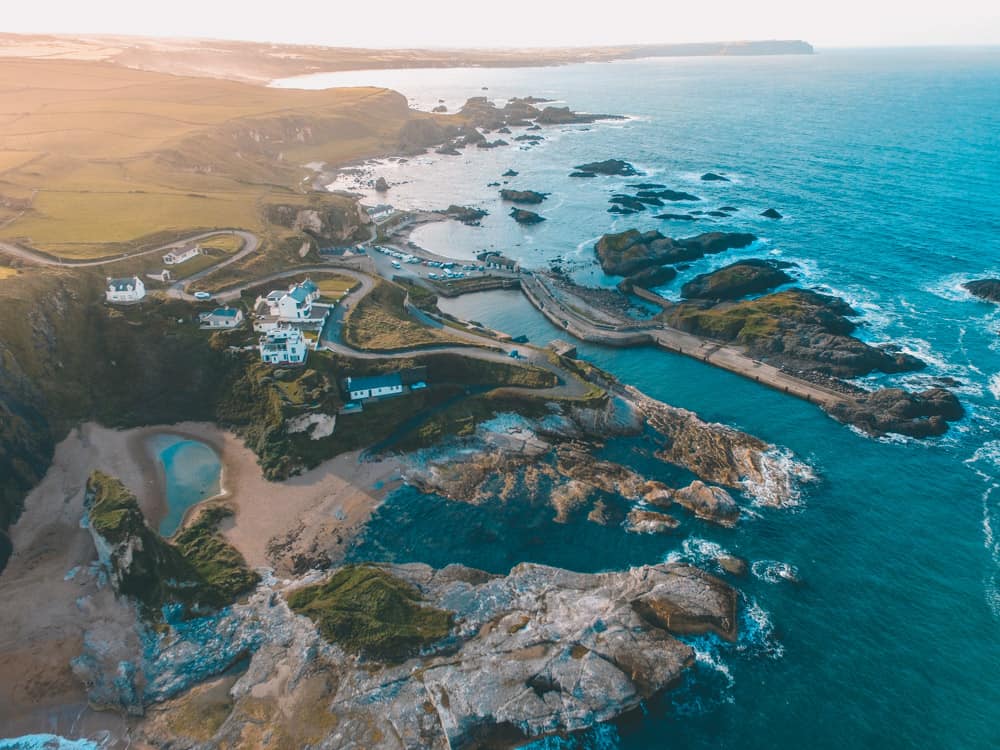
[{"x": 780, "y": 479}]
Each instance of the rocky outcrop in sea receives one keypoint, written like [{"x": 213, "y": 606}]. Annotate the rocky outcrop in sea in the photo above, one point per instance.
[{"x": 538, "y": 651}]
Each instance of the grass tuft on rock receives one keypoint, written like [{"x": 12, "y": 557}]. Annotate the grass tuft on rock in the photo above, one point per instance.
[{"x": 367, "y": 611}]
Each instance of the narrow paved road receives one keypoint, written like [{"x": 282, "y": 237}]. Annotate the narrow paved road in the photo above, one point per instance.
[
  {"x": 250, "y": 244},
  {"x": 478, "y": 347}
]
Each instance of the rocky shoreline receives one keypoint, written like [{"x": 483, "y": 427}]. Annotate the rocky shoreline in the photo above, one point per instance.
[{"x": 537, "y": 651}]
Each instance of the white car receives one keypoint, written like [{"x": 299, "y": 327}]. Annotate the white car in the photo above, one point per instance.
[{"x": 202, "y": 295}]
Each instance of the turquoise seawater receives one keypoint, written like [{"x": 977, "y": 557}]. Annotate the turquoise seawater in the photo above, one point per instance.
[
  {"x": 193, "y": 473},
  {"x": 886, "y": 165}
]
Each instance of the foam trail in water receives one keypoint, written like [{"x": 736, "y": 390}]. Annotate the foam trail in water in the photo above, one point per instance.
[
  {"x": 48, "y": 742},
  {"x": 985, "y": 462},
  {"x": 781, "y": 477}
]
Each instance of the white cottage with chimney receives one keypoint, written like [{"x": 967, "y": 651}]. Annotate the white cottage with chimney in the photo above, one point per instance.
[{"x": 125, "y": 291}]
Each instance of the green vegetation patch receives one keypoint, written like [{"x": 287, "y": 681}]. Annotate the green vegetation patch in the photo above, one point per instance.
[
  {"x": 201, "y": 572},
  {"x": 380, "y": 322},
  {"x": 367, "y": 611},
  {"x": 760, "y": 319}
]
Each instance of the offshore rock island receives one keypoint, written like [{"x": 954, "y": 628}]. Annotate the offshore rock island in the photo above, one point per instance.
[{"x": 295, "y": 333}]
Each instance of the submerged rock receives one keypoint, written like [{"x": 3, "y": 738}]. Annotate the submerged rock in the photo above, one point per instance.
[
  {"x": 651, "y": 522},
  {"x": 733, "y": 565},
  {"x": 668, "y": 195},
  {"x": 509, "y": 173},
  {"x": 713, "y": 177},
  {"x": 771, "y": 214}
]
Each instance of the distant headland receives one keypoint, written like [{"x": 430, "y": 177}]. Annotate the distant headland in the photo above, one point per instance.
[{"x": 259, "y": 62}]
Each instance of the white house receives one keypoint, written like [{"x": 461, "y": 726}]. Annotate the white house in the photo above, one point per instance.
[
  {"x": 283, "y": 345},
  {"x": 124, "y": 291},
  {"x": 222, "y": 317},
  {"x": 293, "y": 306},
  {"x": 373, "y": 386},
  {"x": 181, "y": 254}
]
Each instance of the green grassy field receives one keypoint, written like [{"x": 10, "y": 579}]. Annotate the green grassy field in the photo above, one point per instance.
[
  {"x": 100, "y": 159},
  {"x": 334, "y": 288},
  {"x": 379, "y": 322}
]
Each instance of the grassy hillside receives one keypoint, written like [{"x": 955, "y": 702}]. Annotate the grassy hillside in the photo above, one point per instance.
[{"x": 97, "y": 159}]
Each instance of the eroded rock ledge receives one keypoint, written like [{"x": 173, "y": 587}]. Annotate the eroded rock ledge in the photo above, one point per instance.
[{"x": 538, "y": 651}]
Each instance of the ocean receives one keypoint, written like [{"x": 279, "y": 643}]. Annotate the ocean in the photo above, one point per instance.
[{"x": 886, "y": 167}]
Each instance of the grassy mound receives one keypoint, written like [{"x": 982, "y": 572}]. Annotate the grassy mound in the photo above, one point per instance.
[
  {"x": 379, "y": 322},
  {"x": 201, "y": 571},
  {"x": 369, "y": 612}
]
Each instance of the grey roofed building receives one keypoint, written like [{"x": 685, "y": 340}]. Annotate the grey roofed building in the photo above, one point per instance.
[
  {"x": 122, "y": 285},
  {"x": 373, "y": 386}
]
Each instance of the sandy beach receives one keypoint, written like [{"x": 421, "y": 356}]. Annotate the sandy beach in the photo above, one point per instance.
[{"x": 51, "y": 592}]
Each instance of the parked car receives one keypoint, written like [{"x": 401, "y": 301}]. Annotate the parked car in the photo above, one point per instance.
[{"x": 202, "y": 295}]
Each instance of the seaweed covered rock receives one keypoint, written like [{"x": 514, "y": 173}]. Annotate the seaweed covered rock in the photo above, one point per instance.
[
  {"x": 466, "y": 214},
  {"x": 738, "y": 280}
]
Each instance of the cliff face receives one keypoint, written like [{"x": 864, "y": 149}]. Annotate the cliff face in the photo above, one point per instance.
[
  {"x": 66, "y": 358},
  {"x": 196, "y": 573}
]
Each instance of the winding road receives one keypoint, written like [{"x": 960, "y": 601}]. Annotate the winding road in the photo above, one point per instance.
[{"x": 250, "y": 244}]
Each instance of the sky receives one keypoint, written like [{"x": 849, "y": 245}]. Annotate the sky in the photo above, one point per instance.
[{"x": 521, "y": 23}]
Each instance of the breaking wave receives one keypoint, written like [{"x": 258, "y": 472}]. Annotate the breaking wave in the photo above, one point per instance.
[
  {"x": 775, "y": 571},
  {"x": 985, "y": 462},
  {"x": 781, "y": 480},
  {"x": 50, "y": 742}
]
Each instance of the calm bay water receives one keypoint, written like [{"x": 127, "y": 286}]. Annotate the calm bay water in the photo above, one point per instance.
[
  {"x": 192, "y": 470},
  {"x": 886, "y": 166}
]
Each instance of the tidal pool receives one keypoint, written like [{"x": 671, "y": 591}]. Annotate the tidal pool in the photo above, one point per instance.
[{"x": 192, "y": 472}]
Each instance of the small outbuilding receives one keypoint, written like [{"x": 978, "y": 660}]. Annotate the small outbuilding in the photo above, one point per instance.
[
  {"x": 222, "y": 317},
  {"x": 563, "y": 348}
]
